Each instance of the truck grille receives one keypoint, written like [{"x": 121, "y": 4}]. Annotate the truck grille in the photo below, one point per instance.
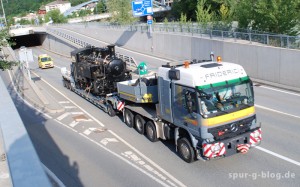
[{"x": 231, "y": 129}]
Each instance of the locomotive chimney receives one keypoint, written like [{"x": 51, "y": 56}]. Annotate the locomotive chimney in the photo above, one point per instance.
[{"x": 111, "y": 49}]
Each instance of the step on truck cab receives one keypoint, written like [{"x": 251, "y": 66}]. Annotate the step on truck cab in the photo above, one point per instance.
[{"x": 206, "y": 107}]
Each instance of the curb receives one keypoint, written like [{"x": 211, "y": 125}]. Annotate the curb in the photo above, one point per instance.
[{"x": 41, "y": 97}]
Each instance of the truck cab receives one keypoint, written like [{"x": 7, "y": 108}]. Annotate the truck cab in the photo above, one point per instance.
[{"x": 212, "y": 106}]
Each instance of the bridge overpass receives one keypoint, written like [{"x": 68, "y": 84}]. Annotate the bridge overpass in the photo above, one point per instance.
[{"x": 158, "y": 6}]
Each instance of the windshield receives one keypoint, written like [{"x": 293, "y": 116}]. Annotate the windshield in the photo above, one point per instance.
[
  {"x": 225, "y": 98},
  {"x": 45, "y": 59}
]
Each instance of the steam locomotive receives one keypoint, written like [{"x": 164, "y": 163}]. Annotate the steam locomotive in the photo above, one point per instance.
[{"x": 96, "y": 70}]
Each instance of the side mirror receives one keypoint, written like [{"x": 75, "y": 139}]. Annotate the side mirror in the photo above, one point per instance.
[
  {"x": 190, "y": 106},
  {"x": 174, "y": 74},
  {"x": 189, "y": 102}
]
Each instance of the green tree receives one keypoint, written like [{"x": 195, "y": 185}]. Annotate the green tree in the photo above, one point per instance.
[
  {"x": 120, "y": 11},
  {"x": 186, "y": 7},
  {"x": 56, "y": 17},
  {"x": 101, "y": 7},
  {"x": 276, "y": 16},
  {"x": 83, "y": 13},
  {"x": 24, "y": 22},
  {"x": 203, "y": 13},
  {"x": 4, "y": 42}
]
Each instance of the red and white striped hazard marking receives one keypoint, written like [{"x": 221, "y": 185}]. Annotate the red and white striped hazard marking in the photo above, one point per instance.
[
  {"x": 214, "y": 150},
  {"x": 243, "y": 148},
  {"x": 255, "y": 137},
  {"x": 121, "y": 105}
]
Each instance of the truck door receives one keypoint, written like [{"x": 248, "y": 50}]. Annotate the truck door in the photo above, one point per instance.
[{"x": 185, "y": 108}]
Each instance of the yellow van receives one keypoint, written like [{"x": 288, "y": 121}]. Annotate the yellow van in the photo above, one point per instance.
[{"x": 45, "y": 61}]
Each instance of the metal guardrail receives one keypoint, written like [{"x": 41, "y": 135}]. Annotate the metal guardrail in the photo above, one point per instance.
[
  {"x": 130, "y": 61},
  {"x": 283, "y": 41}
]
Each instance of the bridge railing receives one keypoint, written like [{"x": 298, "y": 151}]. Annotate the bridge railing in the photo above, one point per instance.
[
  {"x": 276, "y": 40},
  {"x": 130, "y": 61}
]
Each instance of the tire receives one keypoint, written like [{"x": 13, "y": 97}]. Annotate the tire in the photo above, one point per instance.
[
  {"x": 185, "y": 150},
  {"x": 65, "y": 83},
  {"x": 129, "y": 118},
  {"x": 111, "y": 112},
  {"x": 139, "y": 124},
  {"x": 151, "y": 131}
]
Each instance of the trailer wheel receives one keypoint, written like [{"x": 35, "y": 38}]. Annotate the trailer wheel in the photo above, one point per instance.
[
  {"x": 185, "y": 149},
  {"x": 151, "y": 131},
  {"x": 64, "y": 82},
  {"x": 139, "y": 124},
  {"x": 129, "y": 118},
  {"x": 111, "y": 112}
]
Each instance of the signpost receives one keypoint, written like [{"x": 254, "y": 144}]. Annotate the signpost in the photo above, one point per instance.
[
  {"x": 142, "y": 7},
  {"x": 25, "y": 56}
]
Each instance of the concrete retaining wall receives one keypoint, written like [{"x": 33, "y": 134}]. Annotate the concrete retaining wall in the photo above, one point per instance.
[
  {"x": 271, "y": 64},
  {"x": 57, "y": 45}
]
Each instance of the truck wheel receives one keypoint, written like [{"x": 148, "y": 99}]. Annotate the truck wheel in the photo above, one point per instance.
[
  {"x": 151, "y": 131},
  {"x": 185, "y": 149},
  {"x": 139, "y": 124},
  {"x": 111, "y": 112},
  {"x": 128, "y": 118}
]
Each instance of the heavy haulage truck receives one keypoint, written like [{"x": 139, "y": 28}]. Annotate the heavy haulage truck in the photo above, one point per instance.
[{"x": 206, "y": 107}]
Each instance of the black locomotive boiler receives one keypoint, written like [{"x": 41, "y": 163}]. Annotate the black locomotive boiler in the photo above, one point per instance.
[{"x": 97, "y": 70}]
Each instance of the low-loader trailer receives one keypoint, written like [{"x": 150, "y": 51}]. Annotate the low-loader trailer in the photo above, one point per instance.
[{"x": 207, "y": 108}]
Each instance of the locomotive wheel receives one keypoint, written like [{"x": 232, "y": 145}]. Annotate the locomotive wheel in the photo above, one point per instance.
[
  {"x": 139, "y": 124},
  {"x": 129, "y": 118},
  {"x": 151, "y": 131},
  {"x": 111, "y": 112},
  {"x": 186, "y": 151}
]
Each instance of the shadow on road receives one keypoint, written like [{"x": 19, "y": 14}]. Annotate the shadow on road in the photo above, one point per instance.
[{"x": 48, "y": 151}]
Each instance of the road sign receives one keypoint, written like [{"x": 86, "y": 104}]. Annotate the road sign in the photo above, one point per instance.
[
  {"x": 142, "y": 7},
  {"x": 149, "y": 22},
  {"x": 25, "y": 55}
]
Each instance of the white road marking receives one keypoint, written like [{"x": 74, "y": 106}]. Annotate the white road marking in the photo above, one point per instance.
[
  {"x": 105, "y": 141},
  {"x": 133, "y": 157},
  {"x": 89, "y": 131},
  {"x": 127, "y": 161},
  {"x": 53, "y": 176},
  {"x": 279, "y": 90},
  {"x": 85, "y": 120},
  {"x": 27, "y": 103},
  {"x": 68, "y": 113},
  {"x": 148, "y": 160},
  {"x": 278, "y": 155},
  {"x": 76, "y": 113},
  {"x": 283, "y": 113},
  {"x": 63, "y": 116},
  {"x": 57, "y": 66},
  {"x": 65, "y": 125},
  {"x": 101, "y": 124},
  {"x": 69, "y": 107},
  {"x": 64, "y": 102},
  {"x": 73, "y": 123}
]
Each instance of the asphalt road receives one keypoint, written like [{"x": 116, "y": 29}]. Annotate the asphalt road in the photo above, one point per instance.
[{"x": 98, "y": 150}]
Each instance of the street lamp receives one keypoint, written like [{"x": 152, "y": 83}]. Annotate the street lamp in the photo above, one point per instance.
[{"x": 3, "y": 13}]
